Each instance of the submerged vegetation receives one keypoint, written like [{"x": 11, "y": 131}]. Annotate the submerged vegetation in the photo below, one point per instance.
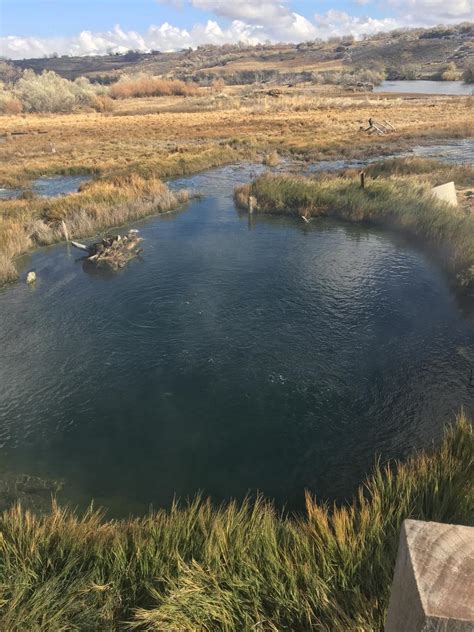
[
  {"x": 100, "y": 204},
  {"x": 235, "y": 567},
  {"x": 390, "y": 198}
]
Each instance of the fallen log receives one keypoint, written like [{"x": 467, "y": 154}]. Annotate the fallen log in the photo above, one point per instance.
[
  {"x": 378, "y": 127},
  {"x": 76, "y": 244},
  {"x": 112, "y": 252}
]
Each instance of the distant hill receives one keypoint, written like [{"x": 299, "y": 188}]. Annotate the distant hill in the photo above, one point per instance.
[{"x": 411, "y": 53}]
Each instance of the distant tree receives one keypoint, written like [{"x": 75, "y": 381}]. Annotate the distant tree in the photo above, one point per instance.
[
  {"x": 408, "y": 72},
  {"x": 218, "y": 84},
  {"x": 449, "y": 72},
  {"x": 468, "y": 74},
  {"x": 49, "y": 92},
  {"x": 9, "y": 73}
]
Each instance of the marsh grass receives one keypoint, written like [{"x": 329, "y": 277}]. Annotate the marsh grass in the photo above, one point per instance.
[
  {"x": 237, "y": 567},
  {"x": 100, "y": 204},
  {"x": 437, "y": 172},
  {"x": 144, "y": 85},
  {"x": 397, "y": 201}
]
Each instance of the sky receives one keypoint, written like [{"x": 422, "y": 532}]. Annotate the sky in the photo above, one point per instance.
[{"x": 34, "y": 28}]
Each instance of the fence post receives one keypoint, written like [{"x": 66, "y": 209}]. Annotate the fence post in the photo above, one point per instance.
[{"x": 433, "y": 584}]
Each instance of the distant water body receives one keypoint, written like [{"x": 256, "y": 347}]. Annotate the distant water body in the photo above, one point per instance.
[
  {"x": 426, "y": 87},
  {"x": 239, "y": 354},
  {"x": 53, "y": 186}
]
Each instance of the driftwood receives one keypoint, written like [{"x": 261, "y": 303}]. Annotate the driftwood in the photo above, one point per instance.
[
  {"x": 76, "y": 244},
  {"x": 112, "y": 252},
  {"x": 23, "y": 132},
  {"x": 379, "y": 127}
]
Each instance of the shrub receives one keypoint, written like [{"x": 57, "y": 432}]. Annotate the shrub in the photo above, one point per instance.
[
  {"x": 9, "y": 73},
  {"x": 272, "y": 159},
  {"x": 344, "y": 78},
  {"x": 9, "y": 104},
  {"x": 409, "y": 72},
  {"x": 468, "y": 74},
  {"x": 144, "y": 85},
  {"x": 49, "y": 92},
  {"x": 449, "y": 72},
  {"x": 83, "y": 91},
  {"x": 218, "y": 84},
  {"x": 103, "y": 103}
]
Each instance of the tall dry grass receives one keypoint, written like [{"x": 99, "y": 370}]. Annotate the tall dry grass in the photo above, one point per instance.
[
  {"x": 238, "y": 567},
  {"x": 149, "y": 86},
  {"x": 99, "y": 205}
]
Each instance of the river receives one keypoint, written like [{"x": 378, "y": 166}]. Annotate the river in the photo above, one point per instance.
[
  {"x": 236, "y": 355},
  {"x": 453, "y": 88}
]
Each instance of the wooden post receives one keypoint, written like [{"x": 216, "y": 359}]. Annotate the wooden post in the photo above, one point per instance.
[
  {"x": 65, "y": 230},
  {"x": 433, "y": 585},
  {"x": 252, "y": 202},
  {"x": 362, "y": 180}
]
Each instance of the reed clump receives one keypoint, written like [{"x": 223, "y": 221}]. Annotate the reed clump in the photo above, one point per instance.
[
  {"x": 397, "y": 201},
  {"x": 100, "y": 204},
  {"x": 144, "y": 85},
  {"x": 234, "y": 567},
  {"x": 437, "y": 172}
]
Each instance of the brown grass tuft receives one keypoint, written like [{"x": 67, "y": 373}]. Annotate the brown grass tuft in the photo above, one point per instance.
[{"x": 147, "y": 86}]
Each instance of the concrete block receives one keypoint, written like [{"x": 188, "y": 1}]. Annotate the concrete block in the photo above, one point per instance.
[
  {"x": 433, "y": 585},
  {"x": 446, "y": 193}
]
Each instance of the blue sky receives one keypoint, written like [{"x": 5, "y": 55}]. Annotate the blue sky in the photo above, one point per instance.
[
  {"x": 45, "y": 18},
  {"x": 37, "y": 27}
]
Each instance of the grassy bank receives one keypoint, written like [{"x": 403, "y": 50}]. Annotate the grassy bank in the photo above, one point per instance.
[
  {"x": 398, "y": 201},
  {"x": 238, "y": 567},
  {"x": 29, "y": 223}
]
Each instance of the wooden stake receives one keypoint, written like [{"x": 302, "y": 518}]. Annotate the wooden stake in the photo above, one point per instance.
[
  {"x": 362, "y": 180},
  {"x": 65, "y": 230}
]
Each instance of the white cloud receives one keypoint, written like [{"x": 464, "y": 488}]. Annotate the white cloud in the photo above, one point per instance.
[
  {"x": 274, "y": 16},
  {"x": 249, "y": 21},
  {"x": 424, "y": 12},
  {"x": 340, "y": 23},
  {"x": 165, "y": 37},
  {"x": 247, "y": 10}
]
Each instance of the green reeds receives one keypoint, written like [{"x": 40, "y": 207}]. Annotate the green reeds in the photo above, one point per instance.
[{"x": 237, "y": 567}]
